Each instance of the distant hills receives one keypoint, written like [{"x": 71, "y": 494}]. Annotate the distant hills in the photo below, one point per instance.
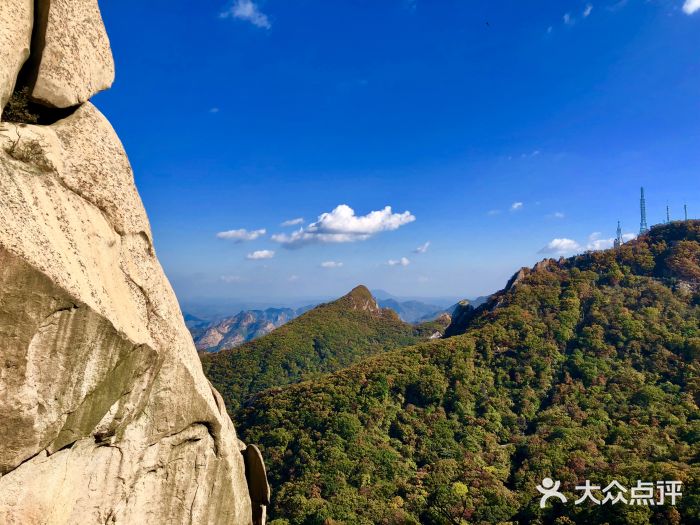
[
  {"x": 327, "y": 338},
  {"x": 580, "y": 368},
  {"x": 412, "y": 311},
  {"x": 245, "y": 326},
  {"x": 248, "y": 325}
]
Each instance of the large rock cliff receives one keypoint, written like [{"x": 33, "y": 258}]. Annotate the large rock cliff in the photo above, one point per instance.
[{"x": 106, "y": 414}]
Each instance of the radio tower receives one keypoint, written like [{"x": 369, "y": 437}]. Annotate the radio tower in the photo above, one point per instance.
[
  {"x": 685, "y": 209},
  {"x": 643, "y": 227},
  {"x": 618, "y": 238},
  {"x": 668, "y": 215}
]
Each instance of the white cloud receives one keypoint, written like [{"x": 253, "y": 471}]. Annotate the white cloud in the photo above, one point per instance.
[
  {"x": 588, "y": 10},
  {"x": 331, "y": 264},
  {"x": 241, "y": 235},
  {"x": 691, "y": 6},
  {"x": 600, "y": 244},
  {"x": 342, "y": 225},
  {"x": 293, "y": 278},
  {"x": 516, "y": 206},
  {"x": 557, "y": 215},
  {"x": 549, "y": 30},
  {"x": 595, "y": 242},
  {"x": 398, "y": 262},
  {"x": 562, "y": 246},
  {"x": 228, "y": 279},
  {"x": 568, "y": 20},
  {"x": 293, "y": 222},
  {"x": 247, "y": 10},
  {"x": 260, "y": 254},
  {"x": 423, "y": 248},
  {"x": 493, "y": 212},
  {"x": 214, "y": 110}
]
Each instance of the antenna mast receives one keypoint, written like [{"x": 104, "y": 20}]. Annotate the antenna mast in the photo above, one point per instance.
[
  {"x": 643, "y": 227},
  {"x": 618, "y": 238}
]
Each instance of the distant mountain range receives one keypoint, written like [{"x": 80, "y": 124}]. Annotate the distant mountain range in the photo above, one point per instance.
[
  {"x": 245, "y": 326},
  {"x": 325, "y": 339},
  {"x": 248, "y": 325}
]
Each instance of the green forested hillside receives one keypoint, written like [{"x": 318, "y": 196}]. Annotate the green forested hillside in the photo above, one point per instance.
[
  {"x": 585, "y": 368},
  {"x": 325, "y": 339}
]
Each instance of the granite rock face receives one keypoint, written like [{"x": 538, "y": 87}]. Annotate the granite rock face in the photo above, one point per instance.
[
  {"x": 75, "y": 60},
  {"x": 106, "y": 416},
  {"x": 16, "y": 22},
  {"x": 100, "y": 383}
]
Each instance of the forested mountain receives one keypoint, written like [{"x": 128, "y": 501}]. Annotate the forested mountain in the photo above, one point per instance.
[
  {"x": 581, "y": 368},
  {"x": 329, "y": 337}
]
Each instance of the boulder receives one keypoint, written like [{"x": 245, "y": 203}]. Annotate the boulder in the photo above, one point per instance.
[
  {"x": 72, "y": 59},
  {"x": 258, "y": 486},
  {"x": 107, "y": 415},
  {"x": 16, "y": 21}
]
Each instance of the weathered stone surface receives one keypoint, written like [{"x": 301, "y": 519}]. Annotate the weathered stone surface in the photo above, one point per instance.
[
  {"x": 16, "y": 20},
  {"x": 258, "y": 487},
  {"x": 107, "y": 416},
  {"x": 72, "y": 57}
]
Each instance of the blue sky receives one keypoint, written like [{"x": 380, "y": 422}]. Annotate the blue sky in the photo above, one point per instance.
[{"x": 490, "y": 129}]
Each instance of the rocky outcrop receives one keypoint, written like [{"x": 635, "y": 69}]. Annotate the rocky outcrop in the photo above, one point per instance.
[
  {"x": 106, "y": 414},
  {"x": 16, "y": 20},
  {"x": 74, "y": 59},
  {"x": 258, "y": 486},
  {"x": 462, "y": 316},
  {"x": 245, "y": 326}
]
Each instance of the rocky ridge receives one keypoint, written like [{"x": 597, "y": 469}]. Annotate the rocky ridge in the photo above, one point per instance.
[{"x": 107, "y": 415}]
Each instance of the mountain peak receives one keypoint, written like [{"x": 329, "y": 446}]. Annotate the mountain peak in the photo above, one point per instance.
[{"x": 360, "y": 298}]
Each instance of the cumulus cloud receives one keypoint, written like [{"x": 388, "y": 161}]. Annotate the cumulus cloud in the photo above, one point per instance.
[
  {"x": 260, "y": 254},
  {"x": 516, "y": 206},
  {"x": 564, "y": 246},
  {"x": 561, "y": 246},
  {"x": 331, "y": 264},
  {"x": 241, "y": 235},
  {"x": 423, "y": 248},
  {"x": 588, "y": 10},
  {"x": 600, "y": 244},
  {"x": 293, "y": 222},
  {"x": 342, "y": 225},
  {"x": 691, "y": 6},
  {"x": 249, "y": 11},
  {"x": 399, "y": 262}
]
